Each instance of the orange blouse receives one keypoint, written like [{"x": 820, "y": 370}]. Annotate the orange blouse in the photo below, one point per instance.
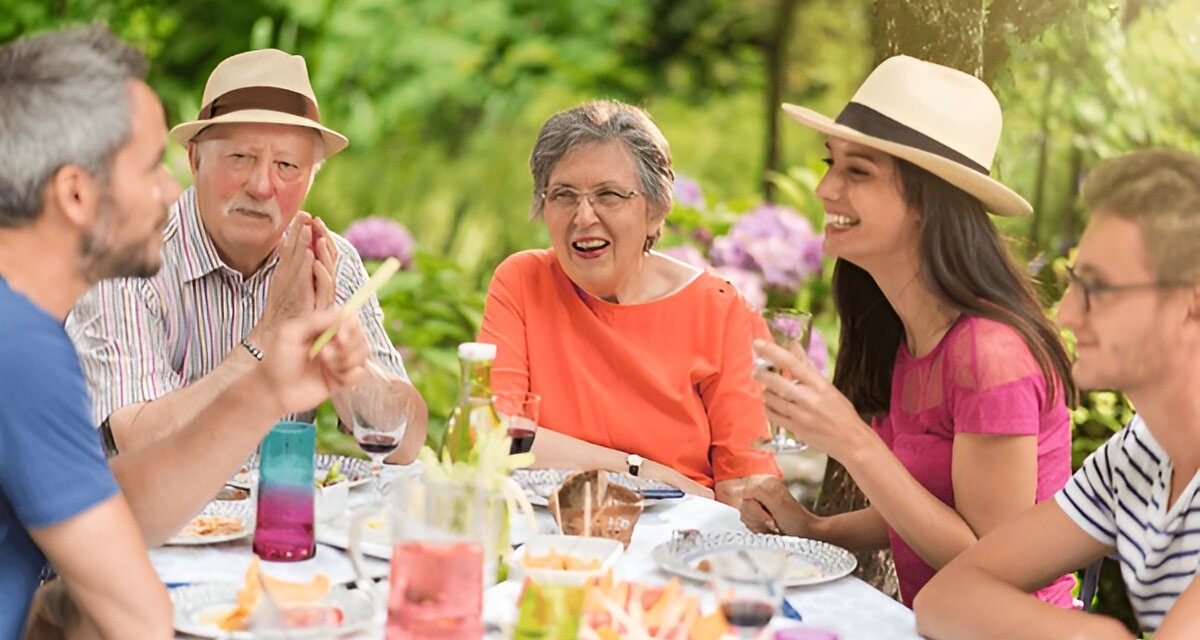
[{"x": 669, "y": 380}]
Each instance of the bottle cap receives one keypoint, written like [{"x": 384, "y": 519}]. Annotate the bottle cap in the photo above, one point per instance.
[
  {"x": 476, "y": 351},
  {"x": 805, "y": 633}
]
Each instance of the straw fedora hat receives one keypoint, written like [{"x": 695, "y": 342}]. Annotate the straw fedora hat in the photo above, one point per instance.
[
  {"x": 940, "y": 119},
  {"x": 262, "y": 86}
]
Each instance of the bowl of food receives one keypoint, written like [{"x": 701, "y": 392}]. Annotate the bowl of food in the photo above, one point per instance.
[
  {"x": 570, "y": 560},
  {"x": 330, "y": 495}
]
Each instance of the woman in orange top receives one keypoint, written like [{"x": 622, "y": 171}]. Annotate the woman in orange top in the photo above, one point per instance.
[{"x": 643, "y": 363}]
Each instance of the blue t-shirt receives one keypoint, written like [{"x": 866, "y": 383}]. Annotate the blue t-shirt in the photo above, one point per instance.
[{"x": 51, "y": 463}]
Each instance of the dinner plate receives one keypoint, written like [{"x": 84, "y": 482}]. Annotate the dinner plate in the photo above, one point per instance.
[
  {"x": 197, "y": 606},
  {"x": 243, "y": 510},
  {"x": 357, "y": 471},
  {"x": 539, "y": 484},
  {"x": 811, "y": 561}
]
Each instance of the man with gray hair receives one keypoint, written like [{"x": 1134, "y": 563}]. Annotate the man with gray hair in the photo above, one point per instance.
[
  {"x": 83, "y": 196},
  {"x": 157, "y": 350}
]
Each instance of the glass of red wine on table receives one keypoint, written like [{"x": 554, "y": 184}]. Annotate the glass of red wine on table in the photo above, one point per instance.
[
  {"x": 380, "y": 417},
  {"x": 518, "y": 411},
  {"x": 748, "y": 585}
]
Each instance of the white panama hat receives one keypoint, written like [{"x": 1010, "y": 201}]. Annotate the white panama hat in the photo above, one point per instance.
[
  {"x": 261, "y": 86},
  {"x": 940, "y": 119}
]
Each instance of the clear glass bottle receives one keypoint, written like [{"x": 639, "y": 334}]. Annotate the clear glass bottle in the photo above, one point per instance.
[{"x": 474, "y": 410}]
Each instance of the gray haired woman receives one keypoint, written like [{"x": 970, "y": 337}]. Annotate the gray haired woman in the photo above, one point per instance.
[{"x": 643, "y": 362}]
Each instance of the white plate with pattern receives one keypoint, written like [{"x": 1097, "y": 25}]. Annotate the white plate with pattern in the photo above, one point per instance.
[
  {"x": 199, "y": 606},
  {"x": 357, "y": 471},
  {"x": 224, "y": 514},
  {"x": 811, "y": 561},
  {"x": 539, "y": 484}
]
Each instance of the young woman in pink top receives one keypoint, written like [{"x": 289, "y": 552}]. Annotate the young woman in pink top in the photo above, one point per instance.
[{"x": 944, "y": 348}]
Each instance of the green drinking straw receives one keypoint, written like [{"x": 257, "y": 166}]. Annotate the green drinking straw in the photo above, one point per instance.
[{"x": 360, "y": 297}]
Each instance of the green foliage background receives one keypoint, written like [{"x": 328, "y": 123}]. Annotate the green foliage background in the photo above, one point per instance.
[{"x": 442, "y": 100}]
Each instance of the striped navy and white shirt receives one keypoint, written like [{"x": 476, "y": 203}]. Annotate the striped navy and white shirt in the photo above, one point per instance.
[
  {"x": 1119, "y": 497},
  {"x": 141, "y": 338}
]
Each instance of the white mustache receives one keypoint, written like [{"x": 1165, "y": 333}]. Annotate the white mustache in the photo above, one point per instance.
[{"x": 265, "y": 207}]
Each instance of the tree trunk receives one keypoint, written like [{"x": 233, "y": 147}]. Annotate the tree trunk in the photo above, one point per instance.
[
  {"x": 777, "y": 64},
  {"x": 948, "y": 32},
  {"x": 840, "y": 494}
]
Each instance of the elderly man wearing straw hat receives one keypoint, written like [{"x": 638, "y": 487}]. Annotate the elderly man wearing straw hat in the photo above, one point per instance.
[{"x": 239, "y": 259}]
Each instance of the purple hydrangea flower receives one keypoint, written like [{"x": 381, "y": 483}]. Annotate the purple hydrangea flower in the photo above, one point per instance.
[
  {"x": 688, "y": 193},
  {"x": 687, "y": 254},
  {"x": 749, "y": 283},
  {"x": 378, "y": 238},
  {"x": 776, "y": 241}
]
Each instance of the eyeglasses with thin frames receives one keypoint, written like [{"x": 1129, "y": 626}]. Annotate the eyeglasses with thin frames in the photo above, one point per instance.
[
  {"x": 603, "y": 200},
  {"x": 1092, "y": 289}
]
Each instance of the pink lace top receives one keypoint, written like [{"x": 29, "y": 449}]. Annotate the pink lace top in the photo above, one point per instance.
[{"x": 981, "y": 378}]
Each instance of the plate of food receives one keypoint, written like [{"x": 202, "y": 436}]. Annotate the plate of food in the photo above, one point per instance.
[
  {"x": 810, "y": 562},
  {"x": 357, "y": 472},
  {"x": 219, "y": 521},
  {"x": 308, "y": 610},
  {"x": 538, "y": 484}
]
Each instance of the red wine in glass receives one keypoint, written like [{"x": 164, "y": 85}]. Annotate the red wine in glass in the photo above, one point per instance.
[
  {"x": 522, "y": 440},
  {"x": 378, "y": 444},
  {"x": 747, "y": 614}
]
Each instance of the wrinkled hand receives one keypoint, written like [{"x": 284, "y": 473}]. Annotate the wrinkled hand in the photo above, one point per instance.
[
  {"x": 292, "y": 293},
  {"x": 768, "y": 507},
  {"x": 734, "y": 490},
  {"x": 300, "y": 383},
  {"x": 325, "y": 265},
  {"x": 808, "y": 405},
  {"x": 662, "y": 473}
]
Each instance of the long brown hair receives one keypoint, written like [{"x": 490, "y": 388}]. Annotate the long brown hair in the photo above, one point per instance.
[{"x": 963, "y": 259}]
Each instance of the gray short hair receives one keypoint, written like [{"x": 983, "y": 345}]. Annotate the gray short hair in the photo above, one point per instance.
[
  {"x": 599, "y": 121},
  {"x": 63, "y": 101}
]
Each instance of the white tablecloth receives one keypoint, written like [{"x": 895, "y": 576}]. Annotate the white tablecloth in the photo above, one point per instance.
[{"x": 847, "y": 606}]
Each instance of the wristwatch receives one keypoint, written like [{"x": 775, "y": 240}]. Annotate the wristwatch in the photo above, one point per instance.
[{"x": 635, "y": 463}]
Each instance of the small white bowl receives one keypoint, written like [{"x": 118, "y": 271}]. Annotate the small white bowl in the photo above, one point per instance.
[
  {"x": 330, "y": 502},
  {"x": 603, "y": 549}
]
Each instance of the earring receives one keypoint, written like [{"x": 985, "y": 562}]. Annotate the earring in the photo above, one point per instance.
[{"x": 650, "y": 240}]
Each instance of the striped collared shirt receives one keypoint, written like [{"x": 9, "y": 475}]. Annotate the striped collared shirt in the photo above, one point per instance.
[
  {"x": 142, "y": 338},
  {"x": 1119, "y": 497}
]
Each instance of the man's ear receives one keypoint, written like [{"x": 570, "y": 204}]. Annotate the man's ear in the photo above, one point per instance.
[
  {"x": 194, "y": 156},
  {"x": 75, "y": 193}
]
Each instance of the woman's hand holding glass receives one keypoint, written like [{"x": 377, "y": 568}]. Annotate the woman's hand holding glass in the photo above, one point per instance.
[{"x": 807, "y": 404}]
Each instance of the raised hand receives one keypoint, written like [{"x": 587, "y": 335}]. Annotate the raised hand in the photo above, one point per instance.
[
  {"x": 325, "y": 265},
  {"x": 808, "y": 405},
  {"x": 292, "y": 293},
  {"x": 300, "y": 383}
]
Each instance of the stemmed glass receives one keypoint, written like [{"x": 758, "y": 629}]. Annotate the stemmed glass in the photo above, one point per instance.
[
  {"x": 788, "y": 328},
  {"x": 380, "y": 418},
  {"x": 518, "y": 410},
  {"x": 749, "y": 587}
]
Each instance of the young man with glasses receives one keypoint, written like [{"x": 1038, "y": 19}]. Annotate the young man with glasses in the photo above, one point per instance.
[{"x": 1134, "y": 307}]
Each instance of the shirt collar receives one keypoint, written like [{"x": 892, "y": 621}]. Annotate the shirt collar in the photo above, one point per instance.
[{"x": 200, "y": 256}]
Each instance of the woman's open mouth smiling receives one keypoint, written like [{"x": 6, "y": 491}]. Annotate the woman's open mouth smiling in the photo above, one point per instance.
[{"x": 590, "y": 247}]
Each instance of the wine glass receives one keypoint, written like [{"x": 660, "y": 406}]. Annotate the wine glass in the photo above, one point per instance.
[
  {"x": 749, "y": 587},
  {"x": 788, "y": 328},
  {"x": 518, "y": 410},
  {"x": 380, "y": 417}
]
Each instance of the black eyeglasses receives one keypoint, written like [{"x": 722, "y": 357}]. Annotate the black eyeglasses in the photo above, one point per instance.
[{"x": 1090, "y": 289}]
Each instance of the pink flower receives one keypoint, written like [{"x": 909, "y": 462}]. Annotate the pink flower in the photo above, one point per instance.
[
  {"x": 378, "y": 238},
  {"x": 688, "y": 193},
  {"x": 687, "y": 254},
  {"x": 748, "y": 283},
  {"x": 776, "y": 241}
]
